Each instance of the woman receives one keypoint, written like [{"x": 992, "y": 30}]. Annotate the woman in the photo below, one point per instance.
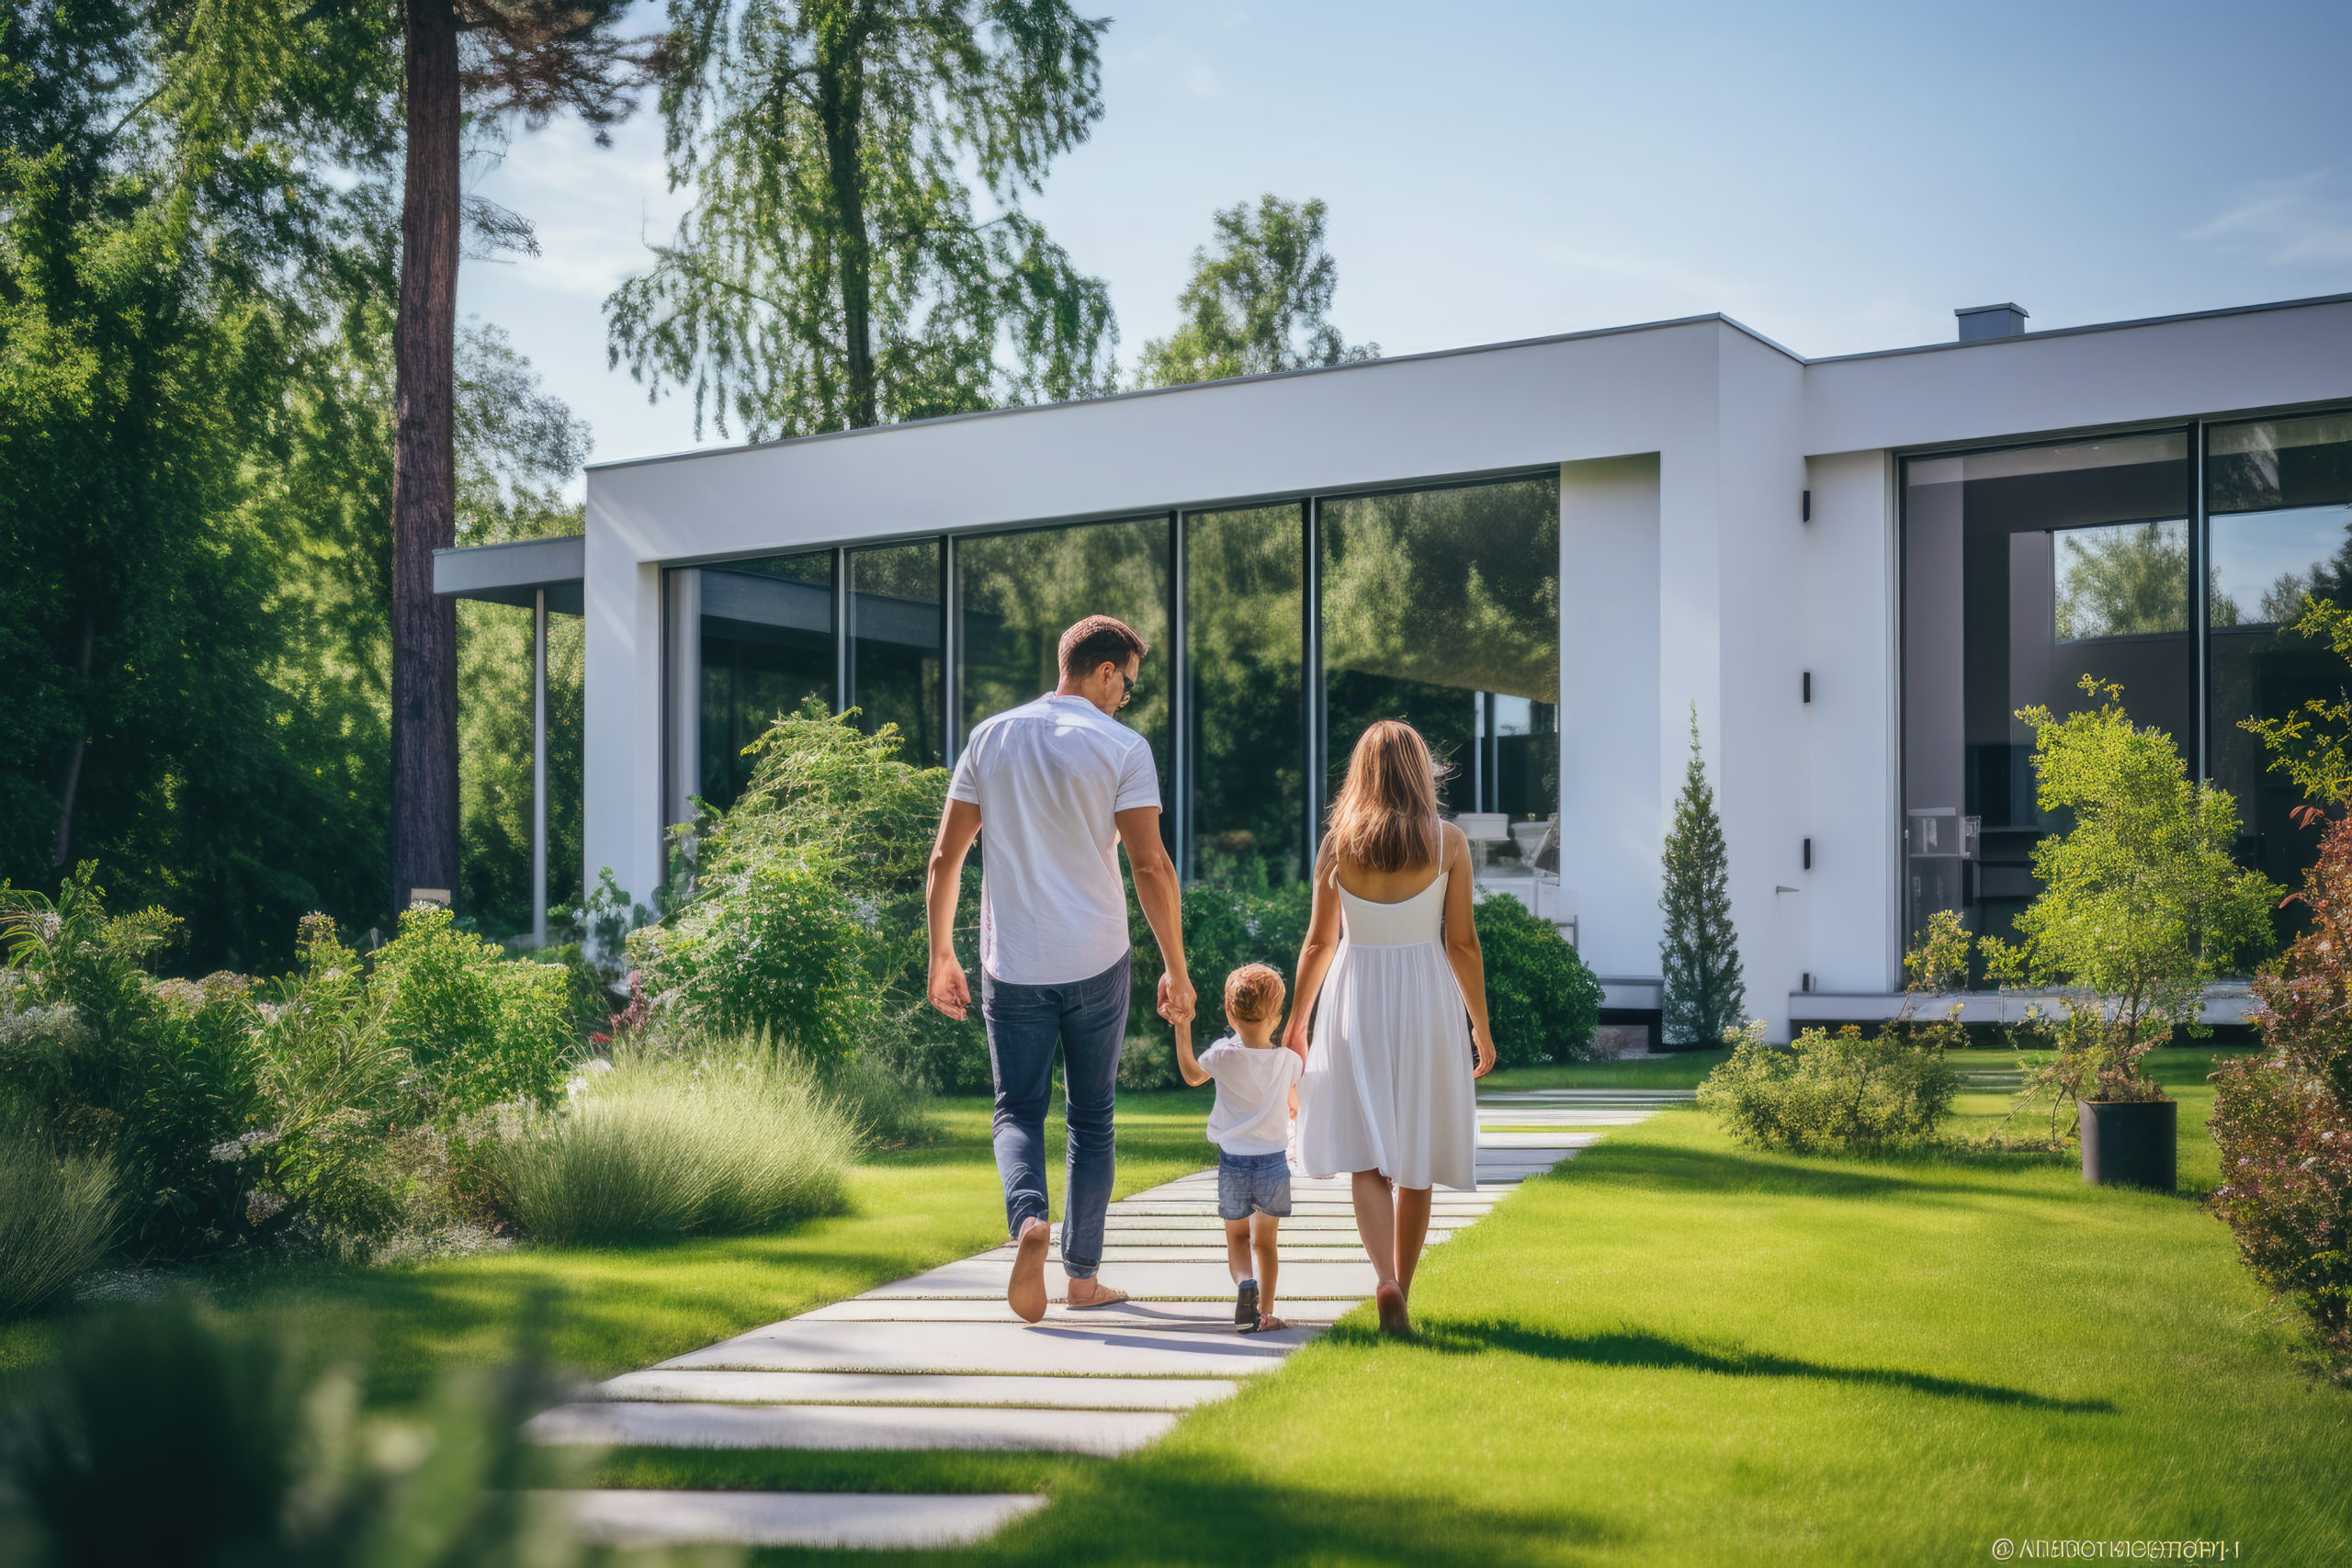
[{"x": 1393, "y": 956}]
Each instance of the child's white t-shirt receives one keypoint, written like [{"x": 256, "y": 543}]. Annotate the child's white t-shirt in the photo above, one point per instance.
[{"x": 1252, "y": 1111}]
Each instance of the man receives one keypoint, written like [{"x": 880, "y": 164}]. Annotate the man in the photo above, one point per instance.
[{"x": 1059, "y": 785}]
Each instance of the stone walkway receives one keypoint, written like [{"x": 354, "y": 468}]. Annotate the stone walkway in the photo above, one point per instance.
[{"x": 938, "y": 1361}]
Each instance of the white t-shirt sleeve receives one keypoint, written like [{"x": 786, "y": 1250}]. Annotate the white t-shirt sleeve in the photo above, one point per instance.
[
  {"x": 1293, "y": 1068},
  {"x": 1215, "y": 1057},
  {"x": 1139, "y": 780},
  {"x": 963, "y": 784}
]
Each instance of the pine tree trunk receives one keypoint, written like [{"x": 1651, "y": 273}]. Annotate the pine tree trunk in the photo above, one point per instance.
[
  {"x": 841, "y": 111},
  {"x": 425, "y": 501},
  {"x": 72, "y": 784}
]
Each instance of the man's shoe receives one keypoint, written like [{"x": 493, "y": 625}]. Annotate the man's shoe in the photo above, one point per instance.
[
  {"x": 1245, "y": 1306},
  {"x": 1026, "y": 1294}
]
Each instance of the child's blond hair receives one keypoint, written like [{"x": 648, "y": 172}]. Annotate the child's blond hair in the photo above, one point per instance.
[{"x": 1253, "y": 994}]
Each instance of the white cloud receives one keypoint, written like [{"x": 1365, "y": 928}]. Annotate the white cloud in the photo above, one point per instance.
[{"x": 2305, "y": 220}]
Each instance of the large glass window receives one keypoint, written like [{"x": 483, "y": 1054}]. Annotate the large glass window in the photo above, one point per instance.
[
  {"x": 1246, "y": 636},
  {"x": 765, "y": 629},
  {"x": 893, "y": 646},
  {"x": 1016, "y": 593},
  {"x": 1441, "y": 608},
  {"x": 2279, "y": 497},
  {"x": 2025, "y": 570}
]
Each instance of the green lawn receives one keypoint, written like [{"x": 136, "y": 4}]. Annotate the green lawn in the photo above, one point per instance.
[{"x": 1678, "y": 1351}]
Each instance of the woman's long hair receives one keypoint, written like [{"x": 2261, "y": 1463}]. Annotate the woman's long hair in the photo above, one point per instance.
[{"x": 1386, "y": 816}]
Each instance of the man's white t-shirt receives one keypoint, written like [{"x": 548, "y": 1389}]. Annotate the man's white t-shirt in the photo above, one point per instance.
[
  {"x": 1252, "y": 1111},
  {"x": 1049, "y": 779}
]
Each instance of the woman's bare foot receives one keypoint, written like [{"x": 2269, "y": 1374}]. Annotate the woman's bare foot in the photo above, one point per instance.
[
  {"x": 1026, "y": 1294},
  {"x": 1084, "y": 1293},
  {"x": 1389, "y": 1302}
]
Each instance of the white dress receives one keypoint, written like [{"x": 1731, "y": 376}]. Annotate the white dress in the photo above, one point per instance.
[{"x": 1387, "y": 1084}]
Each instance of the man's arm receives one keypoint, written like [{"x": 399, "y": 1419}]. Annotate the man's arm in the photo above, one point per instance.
[
  {"x": 1155, "y": 876},
  {"x": 943, "y": 884}
]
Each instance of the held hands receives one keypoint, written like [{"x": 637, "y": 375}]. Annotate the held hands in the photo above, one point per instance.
[
  {"x": 1485, "y": 1044},
  {"x": 1177, "y": 999},
  {"x": 948, "y": 991}
]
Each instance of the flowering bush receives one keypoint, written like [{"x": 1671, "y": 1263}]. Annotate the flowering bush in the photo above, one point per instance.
[{"x": 2283, "y": 1118}]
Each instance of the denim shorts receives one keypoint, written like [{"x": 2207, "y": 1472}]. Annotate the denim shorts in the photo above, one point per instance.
[{"x": 1252, "y": 1181}]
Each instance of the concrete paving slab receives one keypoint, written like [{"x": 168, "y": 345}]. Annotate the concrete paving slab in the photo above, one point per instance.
[
  {"x": 614, "y": 1422},
  {"x": 1051, "y": 1350},
  {"x": 900, "y": 1521},
  {"x": 917, "y": 1388},
  {"x": 986, "y": 1277},
  {"x": 1308, "y": 1239},
  {"x": 1559, "y": 1142},
  {"x": 1119, "y": 1222},
  {"x": 1208, "y": 1317}
]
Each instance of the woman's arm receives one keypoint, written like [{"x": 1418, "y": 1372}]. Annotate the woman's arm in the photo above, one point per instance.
[
  {"x": 1462, "y": 949},
  {"x": 1315, "y": 954}
]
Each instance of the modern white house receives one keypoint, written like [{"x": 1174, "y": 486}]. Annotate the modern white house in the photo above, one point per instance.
[{"x": 1549, "y": 555}]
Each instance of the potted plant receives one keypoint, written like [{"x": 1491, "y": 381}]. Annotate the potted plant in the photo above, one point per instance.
[{"x": 2142, "y": 907}]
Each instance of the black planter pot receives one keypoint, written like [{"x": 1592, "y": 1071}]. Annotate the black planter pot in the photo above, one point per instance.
[{"x": 2131, "y": 1142}]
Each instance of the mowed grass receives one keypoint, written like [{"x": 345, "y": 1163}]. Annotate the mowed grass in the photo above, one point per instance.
[
  {"x": 1676, "y": 1351},
  {"x": 608, "y": 1310}
]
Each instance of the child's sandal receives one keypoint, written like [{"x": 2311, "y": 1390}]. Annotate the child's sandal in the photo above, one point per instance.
[{"x": 1269, "y": 1324}]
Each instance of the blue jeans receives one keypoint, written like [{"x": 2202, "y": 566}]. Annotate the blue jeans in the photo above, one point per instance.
[{"x": 1088, "y": 1018}]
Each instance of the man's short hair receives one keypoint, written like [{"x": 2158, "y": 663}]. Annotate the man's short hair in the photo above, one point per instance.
[
  {"x": 1253, "y": 994},
  {"x": 1099, "y": 641}
]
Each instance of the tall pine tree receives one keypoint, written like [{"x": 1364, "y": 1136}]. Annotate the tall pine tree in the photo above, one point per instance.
[{"x": 1699, "y": 951}]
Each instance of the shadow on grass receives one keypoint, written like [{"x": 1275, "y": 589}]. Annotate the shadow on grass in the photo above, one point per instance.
[{"x": 1636, "y": 1348}]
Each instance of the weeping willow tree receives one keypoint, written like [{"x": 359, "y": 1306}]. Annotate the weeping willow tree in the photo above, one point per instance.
[{"x": 837, "y": 270}]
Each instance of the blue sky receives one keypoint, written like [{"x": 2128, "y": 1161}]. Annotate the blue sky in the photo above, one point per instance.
[{"x": 1839, "y": 178}]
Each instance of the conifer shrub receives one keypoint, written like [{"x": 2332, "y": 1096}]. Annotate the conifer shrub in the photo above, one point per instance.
[{"x": 1699, "y": 952}]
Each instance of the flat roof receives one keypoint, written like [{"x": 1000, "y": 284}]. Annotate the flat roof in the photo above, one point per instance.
[{"x": 1365, "y": 364}]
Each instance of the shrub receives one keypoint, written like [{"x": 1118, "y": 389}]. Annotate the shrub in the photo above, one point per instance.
[
  {"x": 2283, "y": 1118},
  {"x": 721, "y": 1142},
  {"x": 151, "y": 1075},
  {"x": 2141, "y": 905},
  {"x": 1834, "y": 1091},
  {"x": 1542, "y": 1002},
  {"x": 479, "y": 1027},
  {"x": 58, "y": 1213},
  {"x": 805, "y": 919},
  {"x": 170, "y": 1433}
]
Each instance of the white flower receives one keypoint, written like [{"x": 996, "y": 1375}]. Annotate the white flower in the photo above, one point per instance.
[
  {"x": 50, "y": 925},
  {"x": 260, "y": 1205}
]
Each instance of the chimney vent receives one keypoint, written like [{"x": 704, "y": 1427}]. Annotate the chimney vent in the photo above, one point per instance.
[{"x": 1980, "y": 321}]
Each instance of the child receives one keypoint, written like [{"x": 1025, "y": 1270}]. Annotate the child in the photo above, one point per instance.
[{"x": 1250, "y": 1126}]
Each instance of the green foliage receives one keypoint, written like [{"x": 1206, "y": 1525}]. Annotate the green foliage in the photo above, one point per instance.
[
  {"x": 108, "y": 1062},
  {"x": 58, "y": 1213},
  {"x": 1260, "y": 303},
  {"x": 1226, "y": 925},
  {"x": 805, "y": 919},
  {"x": 1699, "y": 954},
  {"x": 1830, "y": 1092},
  {"x": 481, "y": 1030},
  {"x": 1542, "y": 1002},
  {"x": 2142, "y": 906},
  {"x": 2282, "y": 1119},
  {"x": 832, "y": 273},
  {"x": 2313, "y": 745},
  {"x": 721, "y": 1141},
  {"x": 172, "y": 1433}
]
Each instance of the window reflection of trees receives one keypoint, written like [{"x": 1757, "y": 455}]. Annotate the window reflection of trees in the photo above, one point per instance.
[
  {"x": 894, "y": 653},
  {"x": 1437, "y": 604},
  {"x": 1017, "y": 592},
  {"x": 1244, "y": 634}
]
